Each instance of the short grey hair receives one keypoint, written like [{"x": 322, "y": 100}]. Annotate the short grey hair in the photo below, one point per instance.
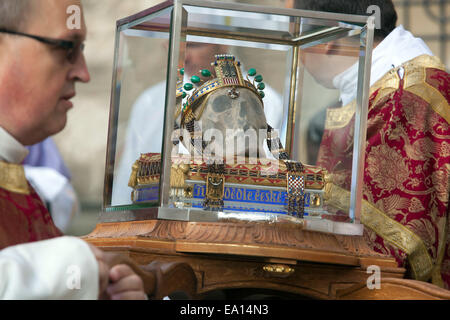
[{"x": 14, "y": 14}]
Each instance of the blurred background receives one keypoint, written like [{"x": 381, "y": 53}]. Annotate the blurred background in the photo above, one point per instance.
[{"x": 83, "y": 142}]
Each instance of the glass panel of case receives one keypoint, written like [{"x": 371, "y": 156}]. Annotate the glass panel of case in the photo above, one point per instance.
[
  {"x": 138, "y": 100},
  {"x": 257, "y": 91}
]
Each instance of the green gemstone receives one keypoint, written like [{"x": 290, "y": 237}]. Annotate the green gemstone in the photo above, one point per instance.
[
  {"x": 206, "y": 73},
  {"x": 195, "y": 79},
  {"x": 261, "y": 86},
  {"x": 184, "y": 94},
  {"x": 252, "y": 72},
  {"x": 182, "y": 71},
  {"x": 259, "y": 78},
  {"x": 262, "y": 94},
  {"x": 188, "y": 86}
]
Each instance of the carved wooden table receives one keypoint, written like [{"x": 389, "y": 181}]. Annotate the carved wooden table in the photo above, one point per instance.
[{"x": 240, "y": 255}]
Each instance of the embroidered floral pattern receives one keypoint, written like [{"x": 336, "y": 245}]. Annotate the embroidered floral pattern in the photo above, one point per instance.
[
  {"x": 407, "y": 165},
  {"x": 384, "y": 157}
]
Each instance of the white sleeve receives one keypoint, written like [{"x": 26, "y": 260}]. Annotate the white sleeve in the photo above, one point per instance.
[{"x": 57, "y": 269}]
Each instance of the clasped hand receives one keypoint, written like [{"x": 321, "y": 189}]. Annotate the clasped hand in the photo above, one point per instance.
[{"x": 117, "y": 282}]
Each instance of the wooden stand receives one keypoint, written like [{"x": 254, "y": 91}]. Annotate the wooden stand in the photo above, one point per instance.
[{"x": 275, "y": 259}]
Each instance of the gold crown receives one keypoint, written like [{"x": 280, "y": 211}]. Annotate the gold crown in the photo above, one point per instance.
[{"x": 228, "y": 74}]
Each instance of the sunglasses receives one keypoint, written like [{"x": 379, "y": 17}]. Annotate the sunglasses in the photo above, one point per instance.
[{"x": 73, "y": 49}]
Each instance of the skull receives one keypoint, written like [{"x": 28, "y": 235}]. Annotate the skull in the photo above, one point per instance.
[{"x": 232, "y": 121}]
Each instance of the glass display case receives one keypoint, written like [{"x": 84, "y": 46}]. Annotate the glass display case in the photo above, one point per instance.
[{"x": 223, "y": 112}]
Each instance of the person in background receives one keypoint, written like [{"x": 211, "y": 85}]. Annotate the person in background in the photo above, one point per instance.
[{"x": 47, "y": 173}]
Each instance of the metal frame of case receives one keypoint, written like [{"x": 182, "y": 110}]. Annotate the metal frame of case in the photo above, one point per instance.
[{"x": 363, "y": 25}]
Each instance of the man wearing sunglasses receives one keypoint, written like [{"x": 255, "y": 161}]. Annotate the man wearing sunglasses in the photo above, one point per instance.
[{"x": 41, "y": 60}]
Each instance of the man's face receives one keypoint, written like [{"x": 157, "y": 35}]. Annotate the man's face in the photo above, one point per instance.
[
  {"x": 37, "y": 80},
  {"x": 325, "y": 61},
  {"x": 318, "y": 63}
]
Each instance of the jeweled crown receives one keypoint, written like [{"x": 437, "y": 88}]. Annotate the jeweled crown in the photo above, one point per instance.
[{"x": 228, "y": 74}]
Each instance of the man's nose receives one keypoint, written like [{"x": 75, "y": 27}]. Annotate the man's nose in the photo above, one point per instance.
[{"x": 79, "y": 71}]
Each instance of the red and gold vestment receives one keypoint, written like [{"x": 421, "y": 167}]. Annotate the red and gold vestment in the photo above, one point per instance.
[
  {"x": 23, "y": 216},
  {"x": 407, "y": 166}
]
